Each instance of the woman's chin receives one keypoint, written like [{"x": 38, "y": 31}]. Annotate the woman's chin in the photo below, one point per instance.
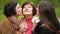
[{"x": 18, "y": 15}]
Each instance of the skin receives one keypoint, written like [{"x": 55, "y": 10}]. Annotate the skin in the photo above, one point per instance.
[
  {"x": 27, "y": 11},
  {"x": 18, "y": 10},
  {"x": 14, "y": 18},
  {"x": 18, "y": 13}
]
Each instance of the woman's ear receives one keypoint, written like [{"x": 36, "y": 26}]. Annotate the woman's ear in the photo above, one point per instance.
[{"x": 37, "y": 11}]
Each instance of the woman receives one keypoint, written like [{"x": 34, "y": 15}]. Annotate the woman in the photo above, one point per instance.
[
  {"x": 29, "y": 19},
  {"x": 10, "y": 25},
  {"x": 49, "y": 23}
]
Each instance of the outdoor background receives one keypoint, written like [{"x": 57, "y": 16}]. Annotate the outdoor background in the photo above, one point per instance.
[{"x": 36, "y": 2}]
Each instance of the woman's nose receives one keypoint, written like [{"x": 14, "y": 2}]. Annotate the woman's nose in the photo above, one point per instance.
[{"x": 26, "y": 8}]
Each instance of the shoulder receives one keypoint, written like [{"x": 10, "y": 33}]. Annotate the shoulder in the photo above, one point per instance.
[
  {"x": 4, "y": 24},
  {"x": 46, "y": 31},
  {"x": 5, "y": 21},
  {"x": 43, "y": 30}
]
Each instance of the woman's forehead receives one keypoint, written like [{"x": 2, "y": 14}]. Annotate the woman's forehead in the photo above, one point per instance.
[{"x": 28, "y": 5}]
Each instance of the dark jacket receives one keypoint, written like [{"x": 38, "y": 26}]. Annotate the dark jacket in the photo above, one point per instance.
[{"x": 42, "y": 30}]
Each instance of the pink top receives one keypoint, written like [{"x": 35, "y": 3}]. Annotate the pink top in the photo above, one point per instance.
[{"x": 29, "y": 26}]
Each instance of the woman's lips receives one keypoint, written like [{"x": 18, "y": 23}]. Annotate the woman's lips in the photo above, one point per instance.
[{"x": 26, "y": 11}]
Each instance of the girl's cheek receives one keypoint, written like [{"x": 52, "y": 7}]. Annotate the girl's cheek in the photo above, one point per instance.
[{"x": 30, "y": 9}]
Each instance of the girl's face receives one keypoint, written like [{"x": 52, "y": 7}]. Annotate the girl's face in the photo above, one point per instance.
[
  {"x": 27, "y": 10},
  {"x": 18, "y": 10}
]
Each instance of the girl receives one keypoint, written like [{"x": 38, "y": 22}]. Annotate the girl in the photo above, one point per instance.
[
  {"x": 49, "y": 23},
  {"x": 11, "y": 24},
  {"x": 29, "y": 19}
]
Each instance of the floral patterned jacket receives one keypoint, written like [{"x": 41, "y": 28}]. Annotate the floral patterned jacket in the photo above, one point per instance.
[{"x": 23, "y": 23}]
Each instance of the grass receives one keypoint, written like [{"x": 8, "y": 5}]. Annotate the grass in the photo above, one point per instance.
[
  {"x": 1, "y": 17},
  {"x": 57, "y": 9}
]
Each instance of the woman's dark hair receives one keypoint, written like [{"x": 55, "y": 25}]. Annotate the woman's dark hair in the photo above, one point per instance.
[
  {"x": 34, "y": 8},
  {"x": 47, "y": 14},
  {"x": 9, "y": 9}
]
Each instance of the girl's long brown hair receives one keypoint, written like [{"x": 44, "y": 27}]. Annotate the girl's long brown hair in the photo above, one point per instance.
[{"x": 47, "y": 14}]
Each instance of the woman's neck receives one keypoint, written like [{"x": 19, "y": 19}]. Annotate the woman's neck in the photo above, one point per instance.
[{"x": 28, "y": 16}]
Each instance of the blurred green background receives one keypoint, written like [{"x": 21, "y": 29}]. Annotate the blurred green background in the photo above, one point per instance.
[{"x": 36, "y": 2}]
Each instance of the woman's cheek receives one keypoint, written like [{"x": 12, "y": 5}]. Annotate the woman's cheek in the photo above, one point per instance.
[{"x": 30, "y": 9}]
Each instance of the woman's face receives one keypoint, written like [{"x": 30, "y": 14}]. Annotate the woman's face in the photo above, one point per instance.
[
  {"x": 27, "y": 10},
  {"x": 18, "y": 10}
]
